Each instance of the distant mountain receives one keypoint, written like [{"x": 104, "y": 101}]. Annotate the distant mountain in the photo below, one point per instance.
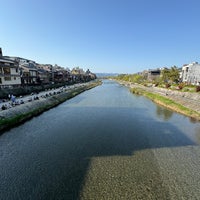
[{"x": 100, "y": 75}]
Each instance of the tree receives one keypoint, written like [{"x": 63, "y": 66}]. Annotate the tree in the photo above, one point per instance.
[
  {"x": 174, "y": 74},
  {"x": 170, "y": 75},
  {"x": 165, "y": 74},
  {"x": 138, "y": 78}
]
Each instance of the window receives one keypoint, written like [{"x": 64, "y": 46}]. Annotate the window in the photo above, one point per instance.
[
  {"x": 6, "y": 70},
  {"x": 7, "y": 78}
]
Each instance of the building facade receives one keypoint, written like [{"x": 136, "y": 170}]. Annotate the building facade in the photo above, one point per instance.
[
  {"x": 16, "y": 71},
  {"x": 191, "y": 73},
  {"x": 9, "y": 73},
  {"x": 153, "y": 74}
]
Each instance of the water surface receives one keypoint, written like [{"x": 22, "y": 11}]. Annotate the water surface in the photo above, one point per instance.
[{"x": 105, "y": 143}]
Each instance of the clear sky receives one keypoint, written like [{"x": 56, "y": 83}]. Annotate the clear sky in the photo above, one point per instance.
[{"x": 121, "y": 36}]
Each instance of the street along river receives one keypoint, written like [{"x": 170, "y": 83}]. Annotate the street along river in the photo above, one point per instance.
[{"x": 105, "y": 143}]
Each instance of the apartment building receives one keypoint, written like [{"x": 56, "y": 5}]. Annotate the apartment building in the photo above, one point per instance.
[{"x": 191, "y": 73}]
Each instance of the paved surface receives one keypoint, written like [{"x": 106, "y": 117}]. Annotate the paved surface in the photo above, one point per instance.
[{"x": 33, "y": 96}]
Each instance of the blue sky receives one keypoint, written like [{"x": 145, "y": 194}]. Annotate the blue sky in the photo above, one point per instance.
[{"x": 121, "y": 36}]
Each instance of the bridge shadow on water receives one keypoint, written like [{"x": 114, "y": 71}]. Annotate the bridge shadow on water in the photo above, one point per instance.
[
  {"x": 110, "y": 133},
  {"x": 66, "y": 151}
]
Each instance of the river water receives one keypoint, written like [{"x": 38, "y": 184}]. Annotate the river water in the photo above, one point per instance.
[{"x": 105, "y": 143}]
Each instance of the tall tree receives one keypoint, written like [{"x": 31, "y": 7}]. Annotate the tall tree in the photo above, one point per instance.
[
  {"x": 170, "y": 75},
  {"x": 174, "y": 74}
]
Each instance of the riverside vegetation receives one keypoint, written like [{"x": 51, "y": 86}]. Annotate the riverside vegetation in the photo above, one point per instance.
[
  {"x": 166, "y": 102},
  {"x": 169, "y": 81},
  {"x": 19, "y": 114}
]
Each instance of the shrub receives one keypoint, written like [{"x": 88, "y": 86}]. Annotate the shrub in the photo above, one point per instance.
[
  {"x": 181, "y": 86},
  {"x": 167, "y": 85},
  {"x": 156, "y": 84},
  {"x": 186, "y": 89},
  {"x": 198, "y": 88}
]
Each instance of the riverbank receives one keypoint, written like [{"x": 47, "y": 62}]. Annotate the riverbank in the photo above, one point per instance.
[
  {"x": 185, "y": 103},
  {"x": 21, "y": 113}
]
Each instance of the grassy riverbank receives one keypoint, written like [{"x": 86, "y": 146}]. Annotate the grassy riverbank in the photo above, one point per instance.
[
  {"x": 166, "y": 102},
  {"x": 25, "y": 112}
]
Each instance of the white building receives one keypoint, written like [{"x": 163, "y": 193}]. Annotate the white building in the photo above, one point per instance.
[{"x": 191, "y": 73}]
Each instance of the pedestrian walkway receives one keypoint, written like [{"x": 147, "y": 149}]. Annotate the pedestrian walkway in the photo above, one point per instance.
[
  {"x": 189, "y": 100},
  {"x": 16, "y": 101}
]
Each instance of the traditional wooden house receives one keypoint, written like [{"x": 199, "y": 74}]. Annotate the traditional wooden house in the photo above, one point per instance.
[
  {"x": 78, "y": 74},
  {"x": 9, "y": 72},
  {"x": 90, "y": 75},
  {"x": 61, "y": 75},
  {"x": 29, "y": 74},
  {"x": 43, "y": 76}
]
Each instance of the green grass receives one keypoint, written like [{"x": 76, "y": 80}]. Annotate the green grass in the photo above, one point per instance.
[{"x": 166, "y": 102}]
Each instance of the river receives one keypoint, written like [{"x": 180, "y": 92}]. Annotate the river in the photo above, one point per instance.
[{"x": 105, "y": 143}]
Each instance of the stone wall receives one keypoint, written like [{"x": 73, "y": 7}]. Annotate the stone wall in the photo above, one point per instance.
[
  {"x": 20, "y": 113},
  {"x": 187, "y": 99}
]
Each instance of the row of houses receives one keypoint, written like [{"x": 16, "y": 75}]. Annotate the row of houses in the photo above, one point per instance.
[
  {"x": 17, "y": 71},
  {"x": 189, "y": 73}
]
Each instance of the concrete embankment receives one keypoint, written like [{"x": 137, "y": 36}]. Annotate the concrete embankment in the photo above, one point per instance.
[
  {"x": 186, "y": 103},
  {"x": 18, "y": 114}
]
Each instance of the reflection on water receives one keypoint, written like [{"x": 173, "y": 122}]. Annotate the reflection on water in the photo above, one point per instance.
[
  {"x": 163, "y": 113},
  {"x": 193, "y": 120}
]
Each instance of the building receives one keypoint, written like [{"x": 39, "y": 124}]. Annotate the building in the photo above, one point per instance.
[
  {"x": 28, "y": 70},
  {"x": 9, "y": 72},
  {"x": 77, "y": 74},
  {"x": 22, "y": 61},
  {"x": 61, "y": 74},
  {"x": 43, "y": 76},
  {"x": 90, "y": 75},
  {"x": 21, "y": 71},
  {"x": 1, "y": 54},
  {"x": 44, "y": 73},
  {"x": 191, "y": 73},
  {"x": 153, "y": 74},
  {"x": 29, "y": 76}
]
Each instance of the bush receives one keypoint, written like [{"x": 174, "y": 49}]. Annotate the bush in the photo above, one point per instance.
[
  {"x": 181, "y": 86},
  {"x": 198, "y": 88},
  {"x": 156, "y": 84},
  {"x": 167, "y": 85},
  {"x": 186, "y": 89}
]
